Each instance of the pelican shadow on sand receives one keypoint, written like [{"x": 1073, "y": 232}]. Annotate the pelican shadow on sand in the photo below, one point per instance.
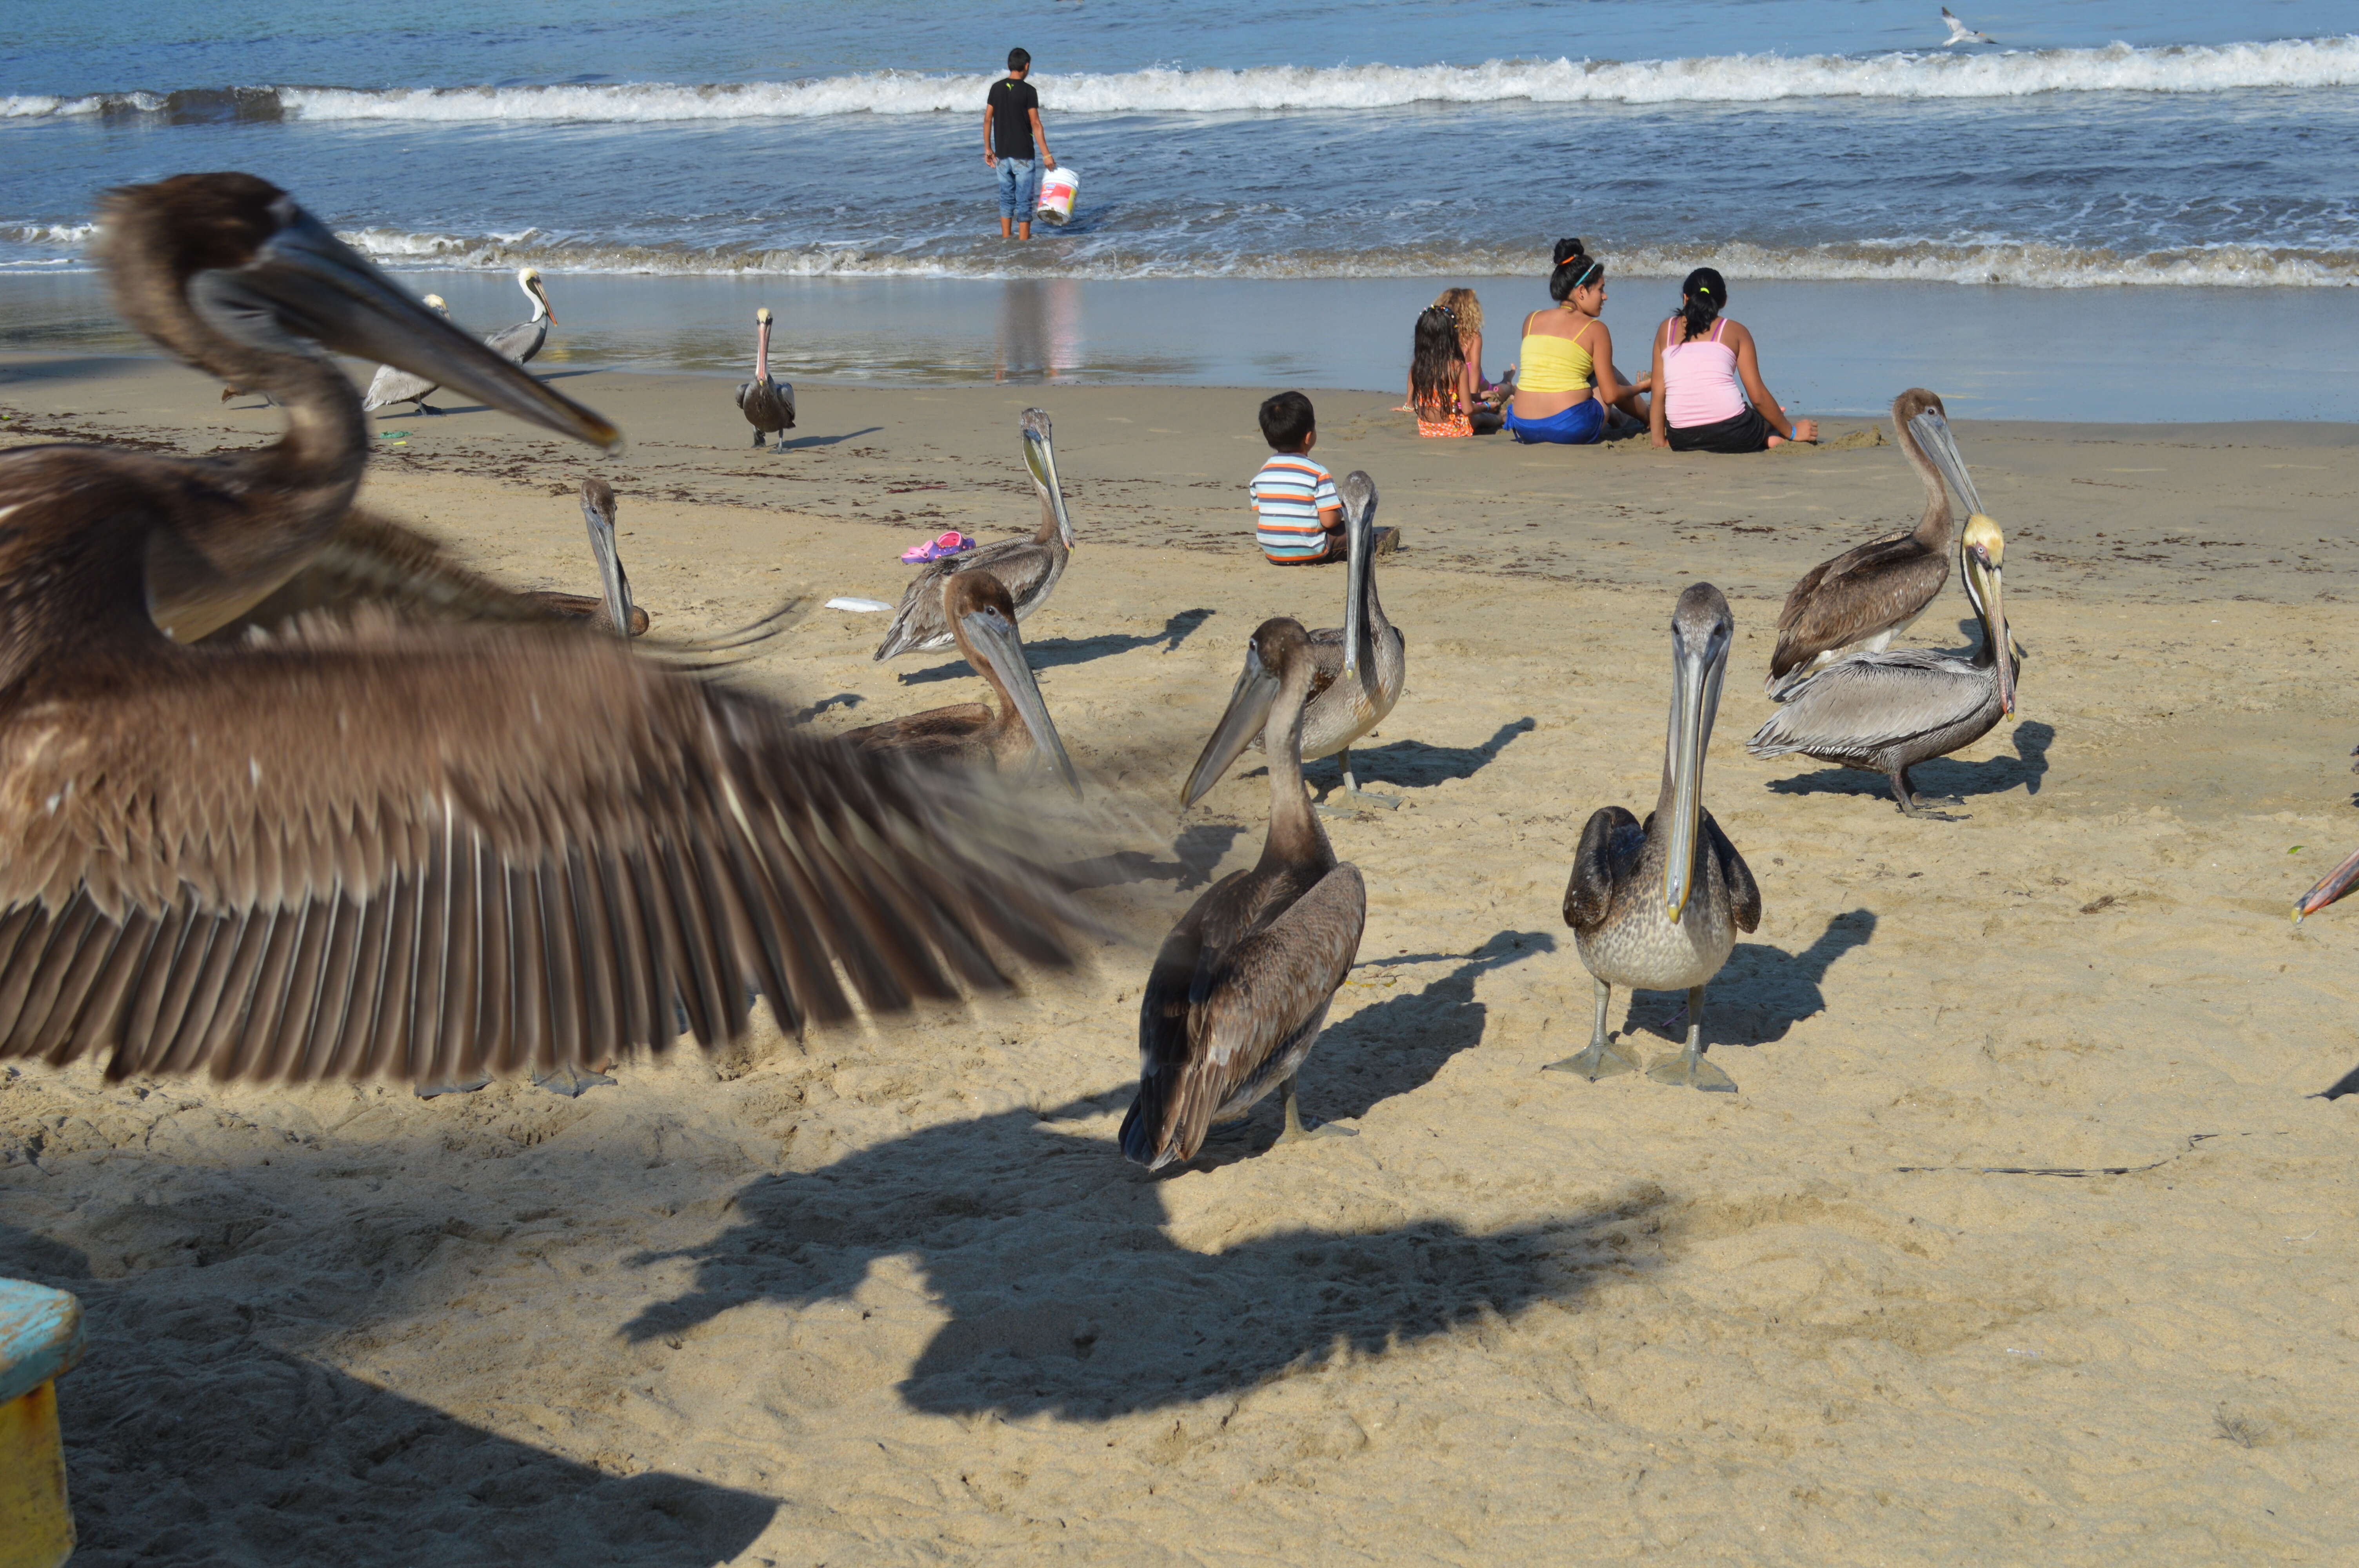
[
  {"x": 1054, "y": 651},
  {"x": 359, "y": 1474},
  {"x": 1941, "y": 776},
  {"x": 1197, "y": 853},
  {"x": 799, "y": 442},
  {"x": 1067, "y": 1294},
  {"x": 1413, "y": 764},
  {"x": 1758, "y": 996}
]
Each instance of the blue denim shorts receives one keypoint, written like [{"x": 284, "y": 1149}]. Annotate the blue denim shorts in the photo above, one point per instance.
[{"x": 1019, "y": 188}]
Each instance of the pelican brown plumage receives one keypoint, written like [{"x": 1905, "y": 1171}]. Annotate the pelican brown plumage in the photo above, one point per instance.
[
  {"x": 1363, "y": 665},
  {"x": 1862, "y": 599},
  {"x": 390, "y": 385},
  {"x": 1240, "y": 988},
  {"x": 1886, "y": 712},
  {"x": 381, "y": 848},
  {"x": 1028, "y": 567},
  {"x": 983, "y": 619},
  {"x": 768, "y": 403},
  {"x": 1656, "y": 906},
  {"x": 519, "y": 343}
]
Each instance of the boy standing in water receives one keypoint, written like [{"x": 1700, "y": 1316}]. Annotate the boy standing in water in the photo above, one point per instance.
[{"x": 1011, "y": 130}]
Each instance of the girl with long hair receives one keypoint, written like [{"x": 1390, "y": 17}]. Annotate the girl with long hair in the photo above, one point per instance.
[
  {"x": 1710, "y": 397},
  {"x": 1441, "y": 391},
  {"x": 1568, "y": 381},
  {"x": 1461, "y": 304}
]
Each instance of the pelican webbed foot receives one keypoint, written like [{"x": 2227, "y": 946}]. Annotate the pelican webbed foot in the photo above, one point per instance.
[
  {"x": 1924, "y": 806},
  {"x": 1297, "y": 1128},
  {"x": 1603, "y": 1059},
  {"x": 452, "y": 1086},
  {"x": 1358, "y": 796},
  {"x": 571, "y": 1082},
  {"x": 1686, "y": 1069},
  {"x": 429, "y": 408}
]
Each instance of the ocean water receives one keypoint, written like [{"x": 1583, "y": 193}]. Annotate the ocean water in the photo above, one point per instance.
[{"x": 2153, "y": 158}]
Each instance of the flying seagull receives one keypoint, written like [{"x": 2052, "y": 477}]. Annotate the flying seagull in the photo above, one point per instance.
[{"x": 1961, "y": 33}]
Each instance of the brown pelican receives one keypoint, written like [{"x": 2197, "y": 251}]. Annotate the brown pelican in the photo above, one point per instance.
[
  {"x": 518, "y": 344},
  {"x": 1028, "y": 569},
  {"x": 613, "y": 604},
  {"x": 390, "y": 386},
  {"x": 1871, "y": 593},
  {"x": 1363, "y": 663},
  {"x": 1658, "y": 907},
  {"x": 1888, "y": 712},
  {"x": 983, "y": 619},
  {"x": 1240, "y": 988},
  {"x": 381, "y": 847},
  {"x": 768, "y": 403}
]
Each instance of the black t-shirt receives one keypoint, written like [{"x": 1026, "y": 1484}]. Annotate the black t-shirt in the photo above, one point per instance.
[{"x": 1012, "y": 102}]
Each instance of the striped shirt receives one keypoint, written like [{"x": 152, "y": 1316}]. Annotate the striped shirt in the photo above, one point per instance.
[{"x": 1288, "y": 495}]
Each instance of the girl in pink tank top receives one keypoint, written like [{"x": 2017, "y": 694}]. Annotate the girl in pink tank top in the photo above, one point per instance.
[{"x": 1709, "y": 394}]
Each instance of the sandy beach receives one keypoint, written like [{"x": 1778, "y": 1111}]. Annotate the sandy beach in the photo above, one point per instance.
[{"x": 2028, "y": 1238}]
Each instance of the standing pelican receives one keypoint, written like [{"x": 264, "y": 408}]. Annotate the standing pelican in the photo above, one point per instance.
[
  {"x": 391, "y": 386},
  {"x": 1657, "y": 907},
  {"x": 517, "y": 344},
  {"x": 379, "y": 848},
  {"x": 612, "y": 604},
  {"x": 983, "y": 619},
  {"x": 1888, "y": 712},
  {"x": 1363, "y": 663},
  {"x": 768, "y": 403},
  {"x": 1027, "y": 568},
  {"x": 1240, "y": 987},
  {"x": 1862, "y": 599}
]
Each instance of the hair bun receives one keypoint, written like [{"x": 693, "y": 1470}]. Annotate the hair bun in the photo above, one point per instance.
[{"x": 1567, "y": 250}]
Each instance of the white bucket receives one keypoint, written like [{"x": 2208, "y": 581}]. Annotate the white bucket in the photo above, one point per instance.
[{"x": 1058, "y": 189}]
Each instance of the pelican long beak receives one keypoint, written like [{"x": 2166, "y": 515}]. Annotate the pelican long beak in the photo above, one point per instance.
[
  {"x": 598, "y": 512},
  {"x": 1040, "y": 457},
  {"x": 1994, "y": 628},
  {"x": 306, "y": 284},
  {"x": 541, "y": 295},
  {"x": 1695, "y": 697},
  {"x": 2331, "y": 886},
  {"x": 1249, "y": 706},
  {"x": 995, "y": 637},
  {"x": 1359, "y": 497},
  {"x": 1932, "y": 433}
]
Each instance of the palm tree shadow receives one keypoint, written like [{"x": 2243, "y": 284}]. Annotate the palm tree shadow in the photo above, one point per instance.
[
  {"x": 272, "y": 1451},
  {"x": 1760, "y": 993},
  {"x": 1413, "y": 763},
  {"x": 1065, "y": 1291},
  {"x": 1053, "y": 653},
  {"x": 1943, "y": 775}
]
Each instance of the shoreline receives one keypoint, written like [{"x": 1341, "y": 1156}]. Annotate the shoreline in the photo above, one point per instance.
[{"x": 1831, "y": 349}]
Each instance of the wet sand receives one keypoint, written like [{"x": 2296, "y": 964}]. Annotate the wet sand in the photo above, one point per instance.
[{"x": 896, "y": 1298}]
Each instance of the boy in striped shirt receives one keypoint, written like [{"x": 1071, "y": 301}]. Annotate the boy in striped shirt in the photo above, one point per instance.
[{"x": 1297, "y": 519}]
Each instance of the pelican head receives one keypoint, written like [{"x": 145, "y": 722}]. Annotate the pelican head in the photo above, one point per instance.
[
  {"x": 436, "y": 302},
  {"x": 528, "y": 279},
  {"x": 1984, "y": 548},
  {"x": 1930, "y": 425},
  {"x": 1274, "y": 645},
  {"x": 1358, "y": 495},
  {"x": 1040, "y": 457},
  {"x": 977, "y": 603},
  {"x": 598, "y": 513},
  {"x": 1702, "y": 632},
  {"x": 233, "y": 275},
  {"x": 762, "y": 315}
]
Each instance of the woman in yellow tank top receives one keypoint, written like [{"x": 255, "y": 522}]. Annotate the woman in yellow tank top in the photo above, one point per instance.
[{"x": 1566, "y": 379}]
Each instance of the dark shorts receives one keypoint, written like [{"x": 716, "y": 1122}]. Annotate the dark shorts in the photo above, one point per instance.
[{"x": 1748, "y": 432}]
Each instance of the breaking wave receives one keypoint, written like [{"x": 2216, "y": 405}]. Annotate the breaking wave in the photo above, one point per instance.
[{"x": 1711, "y": 79}]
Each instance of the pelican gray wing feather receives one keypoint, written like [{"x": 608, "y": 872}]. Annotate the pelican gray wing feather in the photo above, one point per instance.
[
  {"x": 390, "y": 387},
  {"x": 1237, "y": 993},
  {"x": 1865, "y": 705},
  {"x": 1609, "y": 851},
  {"x": 1743, "y": 892},
  {"x": 519, "y": 343},
  {"x": 1026, "y": 568}
]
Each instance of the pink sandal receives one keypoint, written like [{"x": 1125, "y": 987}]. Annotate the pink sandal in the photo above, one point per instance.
[{"x": 949, "y": 544}]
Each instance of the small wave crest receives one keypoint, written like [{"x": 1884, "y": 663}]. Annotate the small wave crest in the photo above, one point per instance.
[{"x": 1724, "y": 78}]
